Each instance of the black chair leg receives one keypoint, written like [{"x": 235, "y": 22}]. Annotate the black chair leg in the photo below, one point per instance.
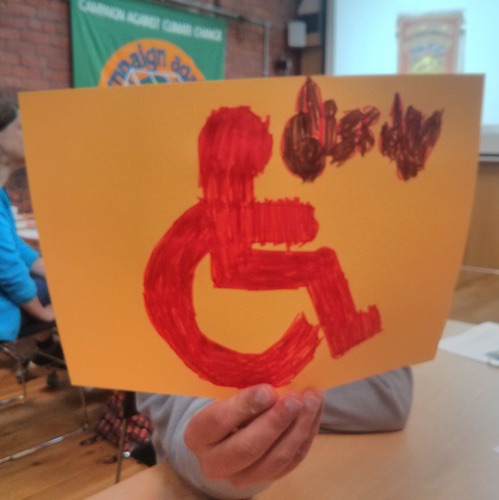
[{"x": 11, "y": 349}]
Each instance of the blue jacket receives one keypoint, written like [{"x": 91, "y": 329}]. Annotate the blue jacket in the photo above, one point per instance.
[{"x": 16, "y": 259}]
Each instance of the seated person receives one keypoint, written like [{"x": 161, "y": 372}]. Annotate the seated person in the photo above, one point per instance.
[
  {"x": 24, "y": 296},
  {"x": 234, "y": 448}
]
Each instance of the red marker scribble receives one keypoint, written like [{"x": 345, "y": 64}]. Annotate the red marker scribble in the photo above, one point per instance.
[
  {"x": 410, "y": 139},
  {"x": 315, "y": 132},
  {"x": 234, "y": 147}
]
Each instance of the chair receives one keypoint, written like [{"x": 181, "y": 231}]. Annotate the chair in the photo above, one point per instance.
[
  {"x": 142, "y": 452},
  {"x": 13, "y": 351}
]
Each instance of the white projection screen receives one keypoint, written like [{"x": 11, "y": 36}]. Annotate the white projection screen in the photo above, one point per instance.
[{"x": 361, "y": 39}]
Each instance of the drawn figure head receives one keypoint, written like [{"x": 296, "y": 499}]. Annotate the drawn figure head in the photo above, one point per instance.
[{"x": 234, "y": 143}]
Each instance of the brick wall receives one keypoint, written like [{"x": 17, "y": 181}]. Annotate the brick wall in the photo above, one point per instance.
[
  {"x": 35, "y": 49},
  {"x": 245, "y": 41},
  {"x": 34, "y": 44}
]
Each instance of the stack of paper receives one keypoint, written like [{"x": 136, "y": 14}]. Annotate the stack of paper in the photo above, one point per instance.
[{"x": 480, "y": 342}]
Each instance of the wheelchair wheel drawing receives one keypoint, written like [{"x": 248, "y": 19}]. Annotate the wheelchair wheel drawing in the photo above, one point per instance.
[{"x": 169, "y": 302}]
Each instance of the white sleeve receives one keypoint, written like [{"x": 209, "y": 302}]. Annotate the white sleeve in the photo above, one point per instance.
[{"x": 375, "y": 404}]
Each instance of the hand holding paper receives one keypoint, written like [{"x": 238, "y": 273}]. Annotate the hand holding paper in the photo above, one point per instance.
[{"x": 243, "y": 439}]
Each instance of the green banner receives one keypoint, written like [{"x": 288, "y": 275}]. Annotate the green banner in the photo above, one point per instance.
[{"x": 130, "y": 42}]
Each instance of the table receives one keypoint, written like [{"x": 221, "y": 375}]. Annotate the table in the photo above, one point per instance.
[{"x": 449, "y": 449}]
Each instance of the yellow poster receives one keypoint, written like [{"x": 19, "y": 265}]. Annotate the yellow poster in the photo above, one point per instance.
[
  {"x": 203, "y": 237},
  {"x": 430, "y": 43}
]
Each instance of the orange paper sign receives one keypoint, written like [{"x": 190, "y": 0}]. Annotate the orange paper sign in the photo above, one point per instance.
[{"x": 208, "y": 236}]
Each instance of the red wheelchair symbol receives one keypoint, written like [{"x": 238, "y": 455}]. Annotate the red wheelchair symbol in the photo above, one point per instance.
[{"x": 234, "y": 148}]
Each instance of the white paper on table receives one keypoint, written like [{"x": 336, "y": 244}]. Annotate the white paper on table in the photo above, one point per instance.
[{"x": 480, "y": 342}]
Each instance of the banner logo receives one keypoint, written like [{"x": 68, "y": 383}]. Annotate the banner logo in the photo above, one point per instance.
[{"x": 149, "y": 61}]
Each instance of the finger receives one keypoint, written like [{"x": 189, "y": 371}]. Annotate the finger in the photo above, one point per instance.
[
  {"x": 221, "y": 418},
  {"x": 249, "y": 444},
  {"x": 314, "y": 429},
  {"x": 290, "y": 449}
]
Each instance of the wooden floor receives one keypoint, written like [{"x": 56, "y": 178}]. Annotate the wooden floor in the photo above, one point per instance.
[{"x": 72, "y": 470}]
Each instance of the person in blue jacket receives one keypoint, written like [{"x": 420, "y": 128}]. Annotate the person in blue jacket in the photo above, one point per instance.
[{"x": 23, "y": 290}]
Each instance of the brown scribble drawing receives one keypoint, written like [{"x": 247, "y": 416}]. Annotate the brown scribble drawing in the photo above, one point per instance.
[
  {"x": 410, "y": 139},
  {"x": 315, "y": 133}
]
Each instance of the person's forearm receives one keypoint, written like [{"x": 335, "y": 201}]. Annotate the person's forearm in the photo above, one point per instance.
[
  {"x": 375, "y": 404},
  {"x": 38, "y": 267},
  {"x": 170, "y": 415},
  {"x": 34, "y": 308},
  {"x": 380, "y": 403}
]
